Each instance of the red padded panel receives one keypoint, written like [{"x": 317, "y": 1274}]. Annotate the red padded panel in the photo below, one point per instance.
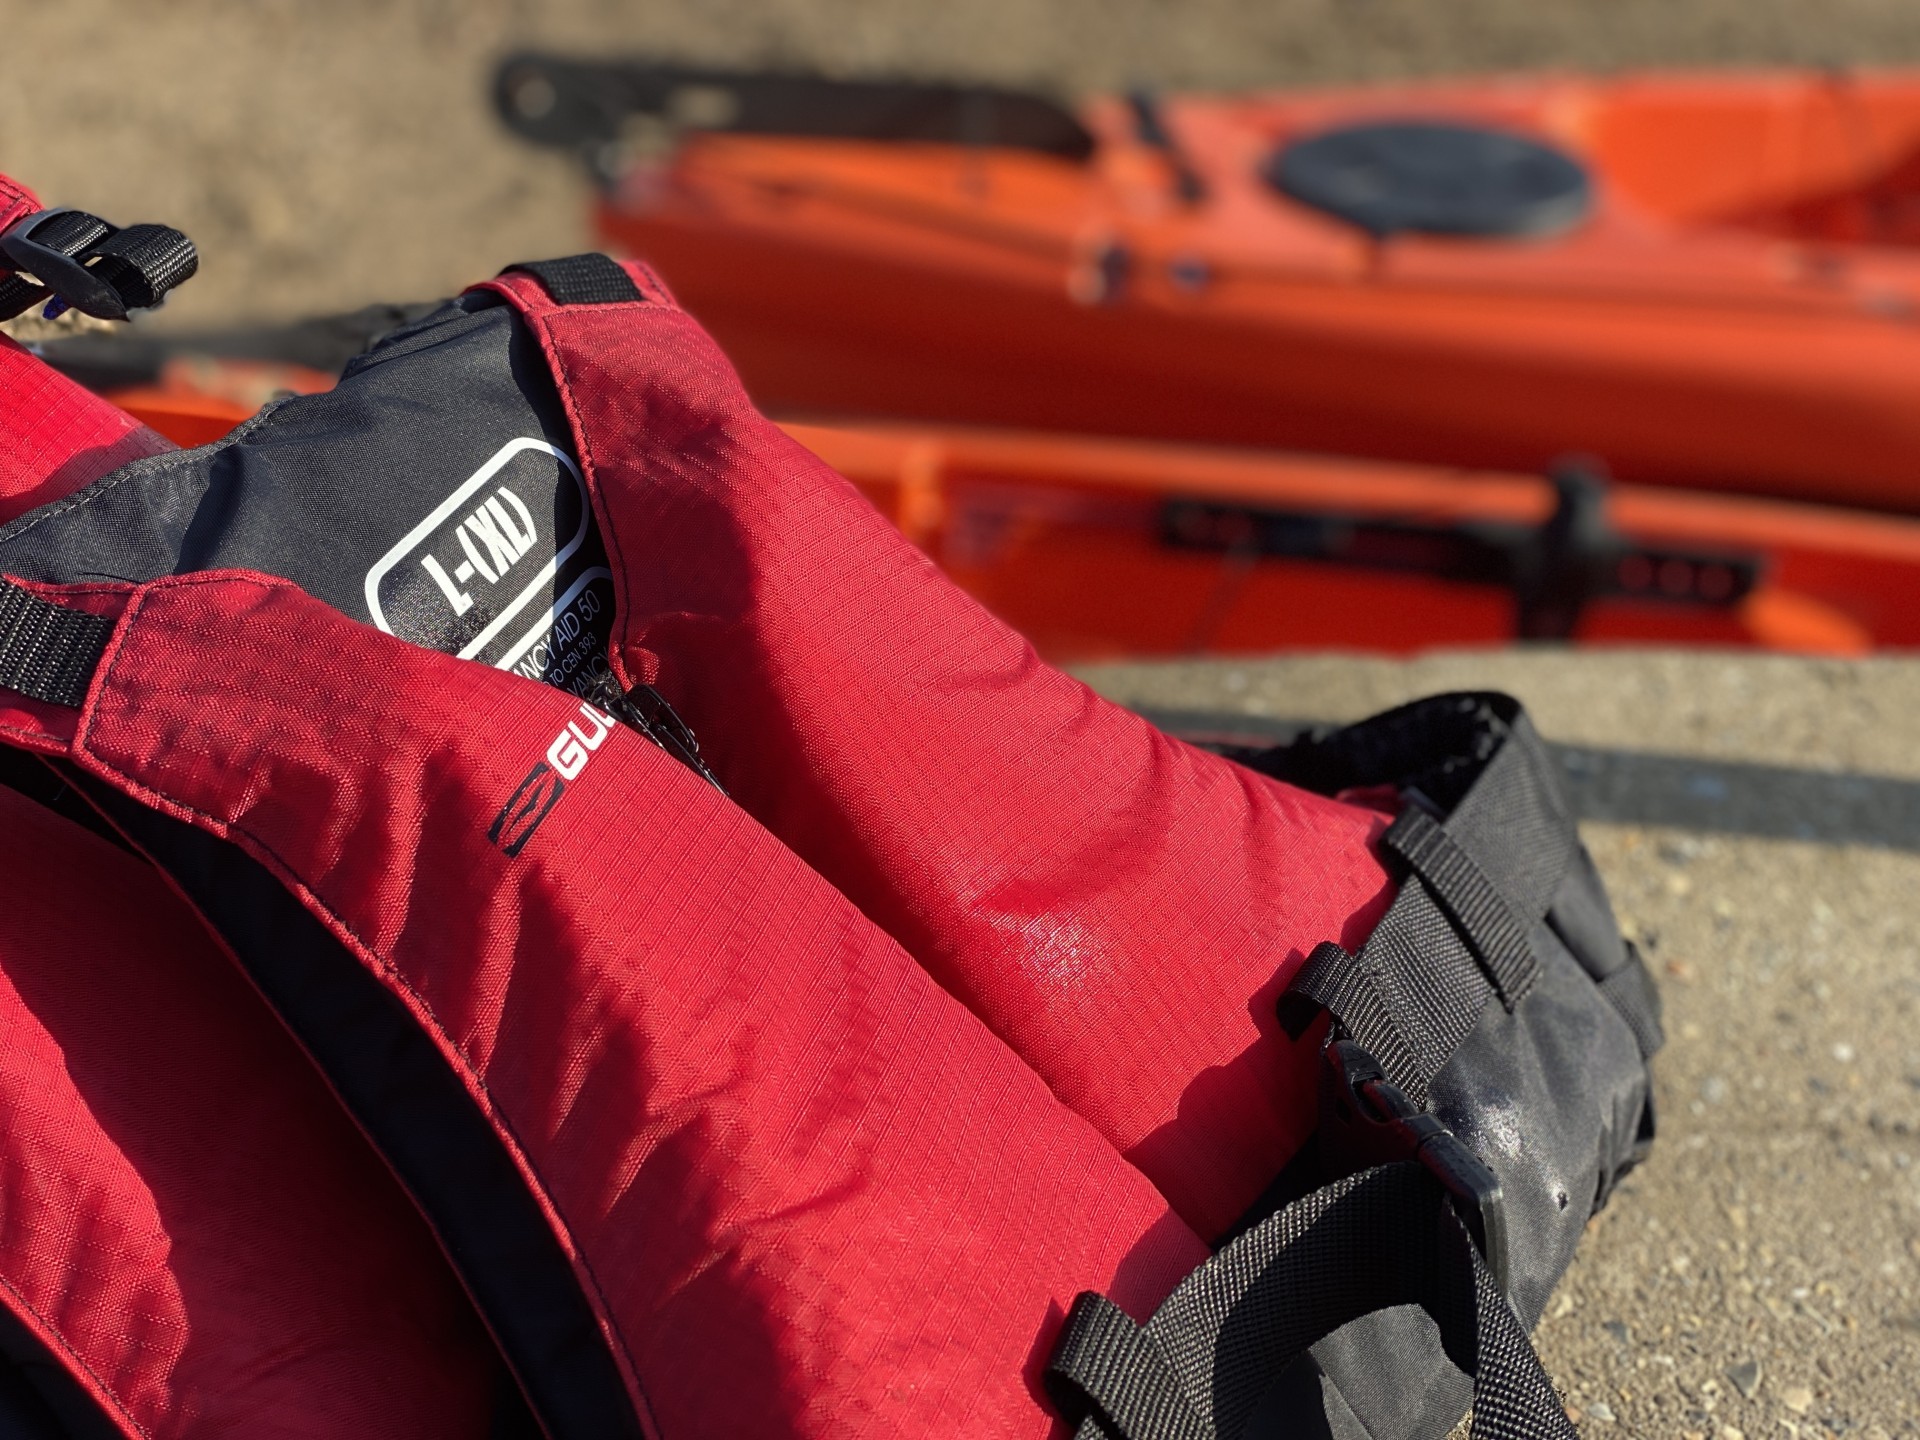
[
  {"x": 186, "y": 1216},
  {"x": 808, "y": 1193}
]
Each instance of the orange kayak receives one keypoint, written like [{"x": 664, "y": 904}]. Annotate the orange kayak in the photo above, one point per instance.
[
  {"x": 1709, "y": 280},
  {"x": 1104, "y": 548}
]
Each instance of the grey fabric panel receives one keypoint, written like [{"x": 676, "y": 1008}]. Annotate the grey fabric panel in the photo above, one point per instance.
[{"x": 452, "y": 416}]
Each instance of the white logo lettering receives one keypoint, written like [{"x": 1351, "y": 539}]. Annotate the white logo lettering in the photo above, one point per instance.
[
  {"x": 573, "y": 747},
  {"x": 503, "y": 541},
  {"x": 456, "y": 597}
]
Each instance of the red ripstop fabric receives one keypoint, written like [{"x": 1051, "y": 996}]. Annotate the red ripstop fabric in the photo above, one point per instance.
[
  {"x": 56, "y": 437},
  {"x": 1121, "y": 908},
  {"x": 16, "y": 201},
  {"x": 806, "y": 1191},
  {"x": 188, "y": 1222}
]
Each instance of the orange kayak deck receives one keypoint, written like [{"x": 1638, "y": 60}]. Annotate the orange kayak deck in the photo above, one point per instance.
[
  {"x": 1098, "y": 549},
  {"x": 1738, "y": 309}
]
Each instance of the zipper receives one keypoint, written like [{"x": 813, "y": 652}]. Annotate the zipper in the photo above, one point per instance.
[{"x": 646, "y": 710}]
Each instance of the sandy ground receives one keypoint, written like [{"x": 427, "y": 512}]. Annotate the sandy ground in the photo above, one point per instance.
[
  {"x": 330, "y": 153},
  {"x": 1759, "y": 1277},
  {"x": 1772, "y": 1244}
]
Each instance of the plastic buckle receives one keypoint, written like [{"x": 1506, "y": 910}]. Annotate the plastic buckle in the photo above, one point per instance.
[
  {"x": 1365, "y": 1121},
  {"x": 63, "y": 274}
]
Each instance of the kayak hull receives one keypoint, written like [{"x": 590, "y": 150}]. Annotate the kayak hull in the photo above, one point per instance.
[
  {"x": 1067, "y": 539},
  {"x": 1712, "y": 341}
]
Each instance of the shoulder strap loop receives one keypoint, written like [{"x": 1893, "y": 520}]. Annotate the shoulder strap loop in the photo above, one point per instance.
[
  {"x": 48, "y": 652},
  {"x": 591, "y": 279}
]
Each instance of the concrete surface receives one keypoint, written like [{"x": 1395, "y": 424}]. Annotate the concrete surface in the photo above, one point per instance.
[
  {"x": 330, "y": 153},
  {"x": 1760, "y": 1276}
]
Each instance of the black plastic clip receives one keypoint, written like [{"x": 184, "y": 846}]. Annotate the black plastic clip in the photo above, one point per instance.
[
  {"x": 1366, "y": 1121},
  {"x": 55, "y": 259}
]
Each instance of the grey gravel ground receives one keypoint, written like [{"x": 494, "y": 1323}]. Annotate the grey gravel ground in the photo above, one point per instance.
[{"x": 1761, "y": 1275}]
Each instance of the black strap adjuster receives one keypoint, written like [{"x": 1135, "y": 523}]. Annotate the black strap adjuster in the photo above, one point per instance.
[
  {"x": 80, "y": 261},
  {"x": 1366, "y": 1121}
]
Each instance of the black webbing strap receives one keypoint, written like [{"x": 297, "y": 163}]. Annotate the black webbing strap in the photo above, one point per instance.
[
  {"x": 1415, "y": 990},
  {"x": 1410, "y": 995},
  {"x": 1354, "y": 990},
  {"x": 144, "y": 262},
  {"x": 79, "y": 260},
  {"x": 1199, "y": 1369},
  {"x": 1478, "y": 908},
  {"x": 48, "y": 652},
  {"x": 591, "y": 279}
]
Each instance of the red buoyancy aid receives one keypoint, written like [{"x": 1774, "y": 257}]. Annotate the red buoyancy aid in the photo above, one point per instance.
[
  {"x": 576, "y": 1063},
  {"x": 1121, "y": 908},
  {"x": 190, "y": 1229},
  {"x": 752, "y": 1172}
]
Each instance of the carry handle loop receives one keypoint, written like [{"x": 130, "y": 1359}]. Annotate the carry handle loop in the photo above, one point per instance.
[{"x": 1200, "y": 1368}]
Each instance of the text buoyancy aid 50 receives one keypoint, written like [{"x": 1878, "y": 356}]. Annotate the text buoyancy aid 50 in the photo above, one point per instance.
[{"x": 713, "y": 1155}]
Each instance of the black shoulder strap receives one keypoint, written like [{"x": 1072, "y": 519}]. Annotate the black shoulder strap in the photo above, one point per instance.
[{"x": 1200, "y": 1367}]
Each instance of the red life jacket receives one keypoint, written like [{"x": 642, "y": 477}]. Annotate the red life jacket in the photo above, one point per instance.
[{"x": 551, "y": 1092}]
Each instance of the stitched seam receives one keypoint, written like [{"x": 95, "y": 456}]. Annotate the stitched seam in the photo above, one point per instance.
[
  {"x": 52, "y": 1337},
  {"x": 143, "y": 468}
]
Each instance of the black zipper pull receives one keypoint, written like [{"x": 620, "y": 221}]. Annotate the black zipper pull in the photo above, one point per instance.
[{"x": 646, "y": 710}]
